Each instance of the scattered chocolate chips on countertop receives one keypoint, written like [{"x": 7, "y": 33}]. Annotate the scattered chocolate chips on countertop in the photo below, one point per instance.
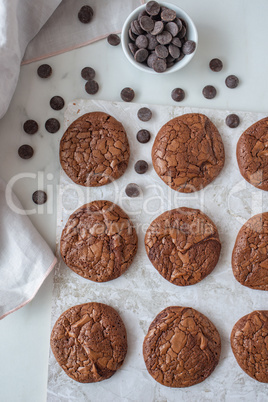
[
  {"x": 209, "y": 92},
  {"x": 52, "y": 125},
  {"x": 39, "y": 197},
  {"x": 215, "y": 65},
  {"x": 143, "y": 136},
  {"x": 141, "y": 167},
  {"x": 25, "y": 151},
  {"x": 44, "y": 71},
  {"x": 30, "y": 127},
  {"x": 232, "y": 81},
  {"x": 178, "y": 94},
  {"x": 132, "y": 190},
  {"x": 144, "y": 114},
  {"x": 113, "y": 39},
  {"x": 158, "y": 31},
  {"x": 91, "y": 87},
  {"x": 57, "y": 103},
  {"x": 127, "y": 94},
  {"x": 232, "y": 120},
  {"x": 85, "y": 14},
  {"x": 88, "y": 73}
]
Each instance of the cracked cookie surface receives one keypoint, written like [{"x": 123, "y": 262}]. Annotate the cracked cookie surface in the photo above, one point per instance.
[
  {"x": 252, "y": 154},
  {"x": 182, "y": 347},
  {"x": 94, "y": 150},
  {"x": 250, "y": 253},
  {"x": 249, "y": 344},
  {"x": 99, "y": 241},
  {"x": 89, "y": 341},
  {"x": 188, "y": 152},
  {"x": 183, "y": 245}
]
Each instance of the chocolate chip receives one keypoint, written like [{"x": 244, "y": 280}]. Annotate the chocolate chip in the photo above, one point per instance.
[
  {"x": 44, "y": 71},
  {"x": 231, "y": 81},
  {"x": 159, "y": 65},
  {"x": 30, "y": 127},
  {"x": 152, "y": 8},
  {"x": 39, "y": 197},
  {"x": 173, "y": 28},
  {"x": 25, "y": 151},
  {"x": 146, "y": 23},
  {"x": 152, "y": 42},
  {"x": 178, "y": 22},
  {"x": 141, "y": 41},
  {"x": 113, "y": 39},
  {"x": 151, "y": 58},
  {"x": 91, "y": 87},
  {"x": 158, "y": 28},
  {"x": 176, "y": 41},
  {"x": 232, "y": 120},
  {"x": 57, "y": 102},
  {"x": 137, "y": 28},
  {"x": 132, "y": 35},
  {"x": 161, "y": 51},
  {"x": 168, "y": 15},
  {"x": 132, "y": 47},
  {"x": 52, "y": 125},
  {"x": 141, "y": 167},
  {"x": 132, "y": 190},
  {"x": 88, "y": 73},
  {"x": 209, "y": 92},
  {"x": 182, "y": 32},
  {"x": 85, "y": 14},
  {"x": 189, "y": 47},
  {"x": 215, "y": 65},
  {"x": 143, "y": 136},
  {"x": 141, "y": 55},
  {"x": 144, "y": 114},
  {"x": 127, "y": 94},
  {"x": 142, "y": 13},
  {"x": 178, "y": 94},
  {"x": 174, "y": 51},
  {"x": 164, "y": 38}
]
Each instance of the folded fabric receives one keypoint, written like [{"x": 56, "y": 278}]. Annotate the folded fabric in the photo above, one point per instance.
[
  {"x": 64, "y": 32},
  {"x": 25, "y": 258}
]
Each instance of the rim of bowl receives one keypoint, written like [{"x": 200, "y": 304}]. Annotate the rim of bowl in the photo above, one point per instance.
[{"x": 142, "y": 67}]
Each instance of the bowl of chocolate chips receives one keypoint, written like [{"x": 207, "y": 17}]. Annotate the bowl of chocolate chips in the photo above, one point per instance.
[{"x": 159, "y": 38}]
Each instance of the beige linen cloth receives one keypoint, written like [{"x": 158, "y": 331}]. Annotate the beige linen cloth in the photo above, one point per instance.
[{"x": 32, "y": 30}]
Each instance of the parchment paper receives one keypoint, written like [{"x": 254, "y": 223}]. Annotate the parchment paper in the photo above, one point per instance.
[{"x": 141, "y": 293}]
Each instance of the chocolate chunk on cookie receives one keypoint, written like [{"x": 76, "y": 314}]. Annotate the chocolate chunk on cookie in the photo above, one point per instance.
[
  {"x": 250, "y": 257},
  {"x": 183, "y": 245},
  {"x": 188, "y": 152},
  {"x": 252, "y": 154},
  {"x": 182, "y": 347},
  {"x": 94, "y": 150},
  {"x": 99, "y": 241},
  {"x": 249, "y": 344},
  {"x": 89, "y": 342}
]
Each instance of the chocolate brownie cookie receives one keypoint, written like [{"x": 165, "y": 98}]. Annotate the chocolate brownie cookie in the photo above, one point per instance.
[
  {"x": 183, "y": 245},
  {"x": 252, "y": 154},
  {"x": 250, "y": 257},
  {"x": 182, "y": 347},
  {"x": 249, "y": 344},
  {"x": 89, "y": 342},
  {"x": 99, "y": 241},
  {"x": 188, "y": 152},
  {"x": 94, "y": 150}
]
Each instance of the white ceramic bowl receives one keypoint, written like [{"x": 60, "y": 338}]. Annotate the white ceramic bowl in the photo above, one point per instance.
[{"x": 191, "y": 35}]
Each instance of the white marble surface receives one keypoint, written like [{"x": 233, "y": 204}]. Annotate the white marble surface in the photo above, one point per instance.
[{"x": 236, "y": 32}]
